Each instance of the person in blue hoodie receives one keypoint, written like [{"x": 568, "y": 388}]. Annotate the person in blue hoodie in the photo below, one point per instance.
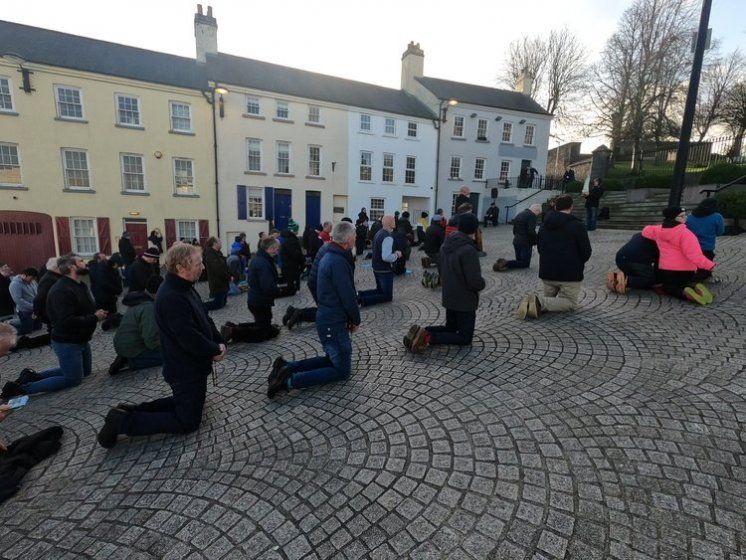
[
  {"x": 337, "y": 316},
  {"x": 706, "y": 223}
]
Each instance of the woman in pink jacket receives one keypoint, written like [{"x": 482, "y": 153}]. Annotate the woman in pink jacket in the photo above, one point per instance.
[{"x": 680, "y": 257}]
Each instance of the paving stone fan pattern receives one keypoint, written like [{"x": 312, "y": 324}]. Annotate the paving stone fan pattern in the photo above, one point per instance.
[{"x": 614, "y": 432}]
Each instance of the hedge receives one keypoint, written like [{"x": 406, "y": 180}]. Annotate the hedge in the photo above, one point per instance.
[
  {"x": 722, "y": 173},
  {"x": 612, "y": 184},
  {"x": 654, "y": 182},
  {"x": 573, "y": 187},
  {"x": 732, "y": 204}
]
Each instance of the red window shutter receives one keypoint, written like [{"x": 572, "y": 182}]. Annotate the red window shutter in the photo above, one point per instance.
[
  {"x": 64, "y": 243},
  {"x": 104, "y": 236},
  {"x": 170, "y": 233},
  {"x": 204, "y": 232}
]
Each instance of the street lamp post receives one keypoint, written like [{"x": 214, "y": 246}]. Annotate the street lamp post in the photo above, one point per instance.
[
  {"x": 442, "y": 111},
  {"x": 682, "y": 154}
]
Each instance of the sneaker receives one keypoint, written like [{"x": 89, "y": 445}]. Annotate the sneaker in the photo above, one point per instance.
[
  {"x": 28, "y": 375},
  {"x": 420, "y": 341},
  {"x": 534, "y": 307},
  {"x": 279, "y": 383},
  {"x": 294, "y": 319},
  {"x": 409, "y": 337},
  {"x": 12, "y": 389},
  {"x": 621, "y": 283},
  {"x": 288, "y": 313},
  {"x": 693, "y": 295},
  {"x": 611, "y": 281},
  {"x": 277, "y": 365},
  {"x": 702, "y": 290},
  {"x": 499, "y": 266},
  {"x": 226, "y": 331},
  {"x": 107, "y": 436},
  {"x": 117, "y": 365},
  {"x": 523, "y": 308}
]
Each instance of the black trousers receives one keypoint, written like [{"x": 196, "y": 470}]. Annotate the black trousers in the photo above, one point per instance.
[
  {"x": 458, "y": 330},
  {"x": 640, "y": 276},
  {"x": 674, "y": 281},
  {"x": 22, "y": 455},
  {"x": 178, "y": 414}
]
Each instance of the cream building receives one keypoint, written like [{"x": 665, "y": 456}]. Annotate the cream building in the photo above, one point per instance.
[{"x": 97, "y": 138}]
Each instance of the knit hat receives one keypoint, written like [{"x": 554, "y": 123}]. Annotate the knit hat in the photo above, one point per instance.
[
  {"x": 293, "y": 226},
  {"x": 152, "y": 252},
  {"x": 468, "y": 223},
  {"x": 671, "y": 212}
]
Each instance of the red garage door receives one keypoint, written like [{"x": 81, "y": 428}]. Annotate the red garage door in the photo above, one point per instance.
[{"x": 26, "y": 239}]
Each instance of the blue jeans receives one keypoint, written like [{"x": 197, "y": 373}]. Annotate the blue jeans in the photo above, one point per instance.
[
  {"x": 590, "y": 218},
  {"x": 384, "y": 291},
  {"x": 178, "y": 414},
  {"x": 75, "y": 364},
  {"x": 458, "y": 330},
  {"x": 25, "y": 324},
  {"x": 146, "y": 359},
  {"x": 218, "y": 301},
  {"x": 336, "y": 365},
  {"x": 522, "y": 255}
]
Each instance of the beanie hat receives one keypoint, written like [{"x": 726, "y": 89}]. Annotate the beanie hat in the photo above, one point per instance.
[
  {"x": 468, "y": 223},
  {"x": 671, "y": 212},
  {"x": 293, "y": 226},
  {"x": 152, "y": 252}
]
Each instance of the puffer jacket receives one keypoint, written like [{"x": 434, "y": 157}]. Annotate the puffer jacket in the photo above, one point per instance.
[
  {"x": 679, "y": 248},
  {"x": 460, "y": 273}
]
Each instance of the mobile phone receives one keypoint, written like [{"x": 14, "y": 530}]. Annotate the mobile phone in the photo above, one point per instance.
[{"x": 18, "y": 402}]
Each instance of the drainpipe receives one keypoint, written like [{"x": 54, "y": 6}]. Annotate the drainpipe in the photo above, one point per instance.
[{"x": 211, "y": 101}]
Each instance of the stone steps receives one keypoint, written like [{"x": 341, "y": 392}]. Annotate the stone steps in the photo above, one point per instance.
[{"x": 624, "y": 214}]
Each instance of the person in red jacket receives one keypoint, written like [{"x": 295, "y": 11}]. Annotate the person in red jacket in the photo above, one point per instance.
[{"x": 680, "y": 257}]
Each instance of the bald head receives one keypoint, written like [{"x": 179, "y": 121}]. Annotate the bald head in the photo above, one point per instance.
[
  {"x": 388, "y": 222},
  {"x": 464, "y": 190},
  {"x": 535, "y": 208}
]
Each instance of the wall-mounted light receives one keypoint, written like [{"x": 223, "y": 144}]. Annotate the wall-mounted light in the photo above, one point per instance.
[
  {"x": 522, "y": 121},
  {"x": 221, "y": 91},
  {"x": 498, "y": 119},
  {"x": 134, "y": 213},
  {"x": 452, "y": 102},
  {"x": 473, "y": 115}
]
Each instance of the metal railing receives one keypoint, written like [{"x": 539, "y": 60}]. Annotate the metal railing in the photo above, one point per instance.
[
  {"x": 724, "y": 149},
  {"x": 719, "y": 188},
  {"x": 526, "y": 182}
]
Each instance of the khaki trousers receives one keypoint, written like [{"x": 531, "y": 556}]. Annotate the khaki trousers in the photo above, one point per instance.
[{"x": 559, "y": 296}]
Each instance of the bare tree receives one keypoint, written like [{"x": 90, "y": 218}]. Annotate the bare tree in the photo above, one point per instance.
[
  {"x": 526, "y": 53},
  {"x": 734, "y": 116},
  {"x": 718, "y": 78},
  {"x": 566, "y": 70}
]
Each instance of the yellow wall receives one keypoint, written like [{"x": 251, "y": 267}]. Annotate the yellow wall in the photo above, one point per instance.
[{"x": 40, "y": 137}]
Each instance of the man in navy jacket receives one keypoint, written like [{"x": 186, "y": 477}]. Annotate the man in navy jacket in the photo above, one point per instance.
[
  {"x": 337, "y": 316},
  {"x": 190, "y": 344}
]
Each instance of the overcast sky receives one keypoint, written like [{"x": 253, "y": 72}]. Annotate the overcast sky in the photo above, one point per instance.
[{"x": 463, "y": 40}]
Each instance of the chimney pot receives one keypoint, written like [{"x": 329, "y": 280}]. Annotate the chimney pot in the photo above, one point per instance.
[
  {"x": 199, "y": 9},
  {"x": 209, "y": 11}
]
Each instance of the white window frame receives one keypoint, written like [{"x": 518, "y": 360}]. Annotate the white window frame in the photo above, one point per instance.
[
  {"x": 20, "y": 166},
  {"x": 179, "y": 232},
  {"x": 257, "y": 194},
  {"x": 366, "y": 167},
  {"x": 73, "y": 238},
  {"x": 289, "y": 158},
  {"x": 459, "y": 126},
  {"x": 507, "y": 127},
  {"x": 248, "y": 154},
  {"x": 314, "y": 111},
  {"x": 377, "y": 213},
  {"x": 460, "y": 168},
  {"x": 194, "y": 177},
  {"x": 483, "y": 138},
  {"x": 280, "y": 104},
  {"x": 532, "y": 128},
  {"x": 410, "y": 125},
  {"x": 454, "y": 196},
  {"x": 65, "y": 169},
  {"x": 385, "y": 168},
  {"x": 365, "y": 123},
  {"x": 122, "y": 155},
  {"x": 171, "y": 116},
  {"x": 479, "y": 176},
  {"x": 250, "y": 99},
  {"x": 504, "y": 173},
  {"x": 389, "y": 127},
  {"x": 57, "y": 102},
  {"x": 412, "y": 169},
  {"x": 12, "y": 108},
  {"x": 118, "y": 116},
  {"x": 311, "y": 161}
]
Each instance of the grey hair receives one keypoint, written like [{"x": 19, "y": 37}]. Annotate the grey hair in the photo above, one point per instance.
[
  {"x": 342, "y": 232},
  {"x": 66, "y": 263},
  {"x": 52, "y": 264},
  {"x": 535, "y": 207},
  {"x": 267, "y": 243}
]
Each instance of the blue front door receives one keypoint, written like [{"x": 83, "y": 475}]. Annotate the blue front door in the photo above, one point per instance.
[
  {"x": 282, "y": 208},
  {"x": 313, "y": 208}
]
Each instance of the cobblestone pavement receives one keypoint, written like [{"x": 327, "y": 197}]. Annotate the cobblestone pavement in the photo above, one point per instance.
[{"x": 614, "y": 432}]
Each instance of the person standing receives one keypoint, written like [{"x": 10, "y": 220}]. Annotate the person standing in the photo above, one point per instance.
[
  {"x": 564, "y": 248},
  {"x": 142, "y": 269},
  {"x": 383, "y": 257},
  {"x": 74, "y": 317},
  {"x": 338, "y": 315},
  {"x": 463, "y": 197},
  {"x": 461, "y": 278},
  {"x": 155, "y": 240},
  {"x": 190, "y": 344},
  {"x": 592, "y": 200},
  {"x": 218, "y": 275},
  {"x": 127, "y": 251},
  {"x": 291, "y": 256},
  {"x": 524, "y": 238},
  {"x": 23, "y": 289}
]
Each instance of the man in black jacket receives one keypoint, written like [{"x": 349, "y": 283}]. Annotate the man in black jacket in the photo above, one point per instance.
[
  {"x": 74, "y": 317},
  {"x": 7, "y": 306},
  {"x": 434, "y": 237},
  {"x": 592, "y": 200},
  {"x": 524, "y": 238},
  {"x": 143, "y": 268},
  {"x": 190, "y": 344},
  {"x": 564, "y": 249},
  {"x": 106, "y": 286},
  {"x": 291, "y": 256},
  {"x": 218, "y": 275},
  {"x": 461, "y": 278}
]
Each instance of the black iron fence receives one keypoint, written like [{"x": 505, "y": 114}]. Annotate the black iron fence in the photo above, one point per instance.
[
  {"x": 728, "y": 149},
  {"x": 542, "y": 182}
]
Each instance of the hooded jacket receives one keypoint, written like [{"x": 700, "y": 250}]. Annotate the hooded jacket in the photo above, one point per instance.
[
  {"x": 40, "y": 301},
  {"x": 138, "y": 330},
  {"x": 679, "y": 248},
  {"x": 218, "y": 276},
  {"x": 564, "y": 248},
  {"x": 291, "y": 253},
  {"x": 434, "y": 237},
  {"x": 524, "y": 228},
  {"x": 460, "y": 273},
  {"x": 262, "y": 280},
  {"x": 106, "y": 283},
  {"x": 706, "y": 223},
  {"x": 23, "y": 294}
]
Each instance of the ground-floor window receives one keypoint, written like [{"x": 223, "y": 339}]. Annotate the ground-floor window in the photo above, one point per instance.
[
  {"x": 84, "y": 236},
  {"x": 186, "y": 230},
  {"x": 376, "y": 208}
]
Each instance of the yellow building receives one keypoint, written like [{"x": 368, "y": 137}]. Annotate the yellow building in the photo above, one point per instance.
[{"x": 98, "y": 138}]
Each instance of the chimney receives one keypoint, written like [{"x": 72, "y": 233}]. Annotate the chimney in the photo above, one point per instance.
[
  {"x": 205, "y": 33},
  {"x": 525, "y": 82},
  {"x": 412, "y": 66}
]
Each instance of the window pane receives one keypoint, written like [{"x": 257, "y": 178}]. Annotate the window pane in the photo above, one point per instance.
[
  {"x": 458, "y": 126},
  {"x": 412, "y": 130},
  {"x": 256, "y": 202},
  {"x": 128, "y": 110},
  {"x": 133, "y": 177},
  {"x": 283, "y": 111},
  {"x": 388, "y": 168},
  {"x": 186, "y": 230},
  {"x": 455, "y": 171},
  {"x": 10, "y": 169},
  {"x": 482, "y": 130},
  {"x": 283, "y": 157},
  {"x": 376, "y": 208},
  {"x": 314, "y": 114},
  {"x": 68, "y": 102},
  {"x": 365, "y": 122},
  {"x": 366, "y": 161},
  {"x": 6, "y": 101},
  {"x": 255, "y": 155},
  {"x": 184, "y": 176},
  {"x": 390, "y": 126},
  {"x": 314, "y": 161},
  {"x": 84, "y": 236},
  {"x": 479, "y": 168},
  {"x": 76, "y": 170},
  {"x": 529, "y": 138},
  {"x": 252, "y": 105},
  {"x": 409, "y": 172},
  {"x": 181, "y": 118},
  {"x": 507, "y": 131}
]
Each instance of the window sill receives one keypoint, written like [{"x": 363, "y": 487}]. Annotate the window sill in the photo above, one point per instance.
[
  {"x": 130, "y": 126},
  {"x": 8, "y": 187},
  {"x": 411, "y": 185},
  {"x": 284, "y": 174},
  {"x": 315, "y": 125},
  {"x": 482, "y": 141},
  {"x": 63, "y": 119},
  {"x": 506, "y": 143},
  {"x": 367, "y": 182},
  {"x": 316, "y": 177},
  {"x": 135, "y": 193},
  {"x": 389, "y": 136},
  {"x": 475, "y": 180},
  {"x": 250, "y": 116},
  {"x": 254, "y": 173},
  {"x": 178, "y": 195},
  {"x": 9, "y": 113},
  {"x": 278, "y": 119},
  {"x": 455, "y": 179},
  {"x": 412, "y": 138},
  {"x": 79, "y": 191},
  {"x": 529, "y": 145},
  {"x": 365, "y": 132},
  {"x": 460, "y": 138},
  {"x": 181, "y": 132}
]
